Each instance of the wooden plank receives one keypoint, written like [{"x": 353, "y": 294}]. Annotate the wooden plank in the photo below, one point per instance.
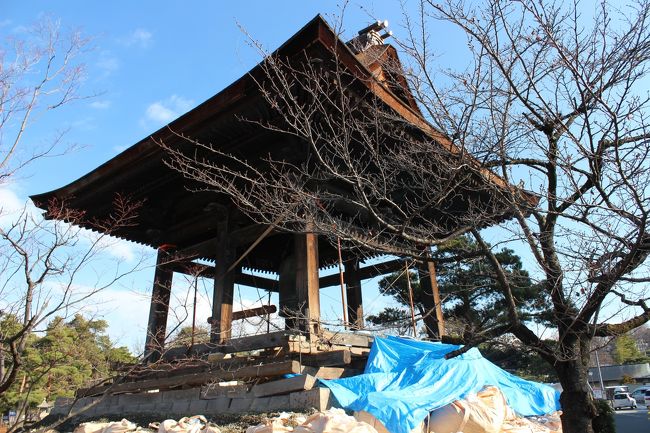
[
  {"x": 242, "y": 344},
  {"x": 254, "y": 312},
  {"x": 254, "y": 371},
  {"x": 366, "y": 272},
  {"x": 306, "y": 255},
  {"x": 327, "y": 359},
  {"x": 252, "y": 342},
  {"x": 222, "y": 299},
  {"x": 331, "y": 372},
  {"x": 302, "y": 382},
  {"x": 345, "y": 338}
]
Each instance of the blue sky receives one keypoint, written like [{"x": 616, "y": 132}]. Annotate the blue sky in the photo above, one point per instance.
[
  {"x": 152, "y": 61},
  {"x": 149, "y": 62}
]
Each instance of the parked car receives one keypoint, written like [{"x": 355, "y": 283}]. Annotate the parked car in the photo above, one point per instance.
[
  {"x": 623, "y": 399},
  {"x": 647, "y": 398},
  {"x": 639, "y": 394}
]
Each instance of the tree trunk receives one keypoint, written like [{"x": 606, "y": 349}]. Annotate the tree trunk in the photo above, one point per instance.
[{"x": 578, "y": 409}]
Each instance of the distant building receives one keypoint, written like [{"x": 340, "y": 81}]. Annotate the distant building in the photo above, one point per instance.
[{"x": 614, "y": 374}]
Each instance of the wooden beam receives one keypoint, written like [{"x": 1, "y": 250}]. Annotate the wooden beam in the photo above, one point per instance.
[
  {"x": 224, "y": 280},
  {"x": 306, "y": 259},
  {"x": 207, "y": 271},
  {"x": 242, "y": 344},
  {"x": 302, "y": 382},
  {"x": 331, "y": 372},
  {"x": 353, "y": 292},
  {"x": 434, "y": 320},
  {"x": 366, "y": 272},
  {"x": 159, "y": 308},
  {"x": 239, "y": 237},
  {"x": 332, "y": 358},
  {"x": 254, "y": 312},
  {"x": 345, "y": 338},
  {"x": 253, "y": 371}
]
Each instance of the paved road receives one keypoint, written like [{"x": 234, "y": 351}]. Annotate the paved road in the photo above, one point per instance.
[{"x": 632, "y": 421}]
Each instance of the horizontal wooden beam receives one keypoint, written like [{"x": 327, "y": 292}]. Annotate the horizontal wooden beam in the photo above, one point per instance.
[
  {"x": 333, "y": 358},
  {"x": 253, "y": 371},
  {"x": 207, "y": 271},
  {"x": 252, "y": 312},
  {"x": 240, "y": 237},
  {"x": 365, "y": 273},
  {"x": 302, "y": 382}
]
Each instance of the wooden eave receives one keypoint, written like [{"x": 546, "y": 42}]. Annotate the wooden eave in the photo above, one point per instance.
[{"x": 141, "y": 169}]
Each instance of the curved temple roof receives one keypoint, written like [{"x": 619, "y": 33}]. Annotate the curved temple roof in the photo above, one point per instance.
[{"x": 173, "y": 215}]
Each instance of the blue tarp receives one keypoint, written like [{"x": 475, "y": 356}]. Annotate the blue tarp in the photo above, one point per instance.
[{"x": 406, "y": 379}]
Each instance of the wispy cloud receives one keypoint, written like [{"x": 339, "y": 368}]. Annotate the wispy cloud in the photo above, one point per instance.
[
  {"x": 100, "y": 105},
  {"x": 167, "y": 110},
  {"x": 107, "y": 63},
  {"x": 139, "y": 38}
]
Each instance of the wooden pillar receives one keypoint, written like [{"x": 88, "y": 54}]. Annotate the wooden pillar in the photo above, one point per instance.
[
  {"x": 159, "y": 308},
  {"x": 434, "y": 321},
  {"x": 224, "y": 284},
  {"x": 306, "y": 259},
  {"x": 288, "y": 297},
  {"x": 353, "y": 292}
]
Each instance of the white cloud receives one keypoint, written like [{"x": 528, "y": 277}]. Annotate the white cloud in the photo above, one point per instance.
[
  {"x": 107, "y": 63},
  {"x": 13, "y": 206},
  {"x": 100, "y": 105},
  {"x": 167, "y": 110},
  {"x": 139, "y": 37}
]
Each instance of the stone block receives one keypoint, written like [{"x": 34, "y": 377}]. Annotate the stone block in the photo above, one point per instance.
[
  {"x": 318, "y": 398},
  {"x": 260, "y": 404},
  {"x": 279, "y": 403},
  {"x": 133, "y": 400},
  {"x": 218, "y": 405},
  {"x": 180, "y": 394},
  {"x": 180, "y": 407},
  {"x": 157, "y": 408},
  {"x": 239, "y": 405},
  {"x": 197, "y": 407}
]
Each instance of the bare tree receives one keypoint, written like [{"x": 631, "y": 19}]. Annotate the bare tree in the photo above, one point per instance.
[
  {"x": 41, "y": 261},
  {"x": 553, "y": 96}
]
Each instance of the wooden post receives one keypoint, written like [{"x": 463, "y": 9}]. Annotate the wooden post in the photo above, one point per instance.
[
  {"x": 353, "y": 291},
  {"x": 224, "y": 284},
  {"x": 434, "y": 321},
  {"x": 159, "y": 308},
  {"x": 288, "y": 298},
  {"x": 306, "y": 254}
]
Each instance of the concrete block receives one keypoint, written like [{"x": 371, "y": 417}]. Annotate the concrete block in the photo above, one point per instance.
[
  {"x": 155, "y": 408},
  {"x": 139, "y": 398},
  {"x": 180, "y": 394},
  {"x": 197, "y": 407},
  {"x": 217, "y": 405},
  {"x": 180, "y": 407},
  {"x": 260, "y": 404},
  {"x": 317, "y": 398},
  {"x": 279, "y": 402},
  {"x": 239, "y": 405}
]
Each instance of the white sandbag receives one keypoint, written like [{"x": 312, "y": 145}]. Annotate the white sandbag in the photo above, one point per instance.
[
  {"x": 333, "y": 421},
  {"x": 368, "y": 418},
  {"x": 194, "y": 424},
  {"x": 123, "y": 426},
  {"x": 329, "y": 421},
  {"x": 484, "y": 412},
  {"x": 280, "y": 424},
  {"x": 90, "y": 427}
]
